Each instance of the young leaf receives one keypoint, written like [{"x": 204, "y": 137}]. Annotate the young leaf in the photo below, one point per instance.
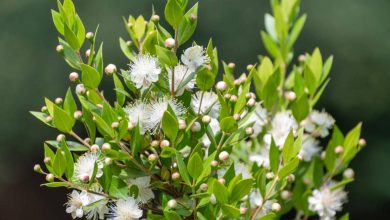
[
  {"x": 166, "y": 56},
  {"x": 289, "y": 168},
  {"x": 90, "y": 76},
  {"x": 62, "y": 120},
  {"x": 170, "y": 125},
  {"x": 230, "y": 211},
  {"x": 69, "y": 103},
  {"x": 221, "y": 193},
  {"x": 274, "y": 157},
  {"x": 173, "y": 13},
  {"x": 241, "y": 189},
  {"x": 205, "y": 79},
  {"x": 195, "y": 166}
]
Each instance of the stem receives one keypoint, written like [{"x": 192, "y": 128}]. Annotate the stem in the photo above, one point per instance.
[
  {"x": 79, "y": 139},
  {"x": 200, "y": 103},
  {"x": 220, "y": 144},
  {"x": 193, "y": 193},
  {"x": 265, "y": 199},
  {"x": 173, "y": 82}
]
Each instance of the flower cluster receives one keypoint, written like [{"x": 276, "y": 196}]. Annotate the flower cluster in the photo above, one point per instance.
[{"x": 176, "y": 145}]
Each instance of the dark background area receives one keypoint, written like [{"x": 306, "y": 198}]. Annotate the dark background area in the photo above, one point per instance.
[{"x": 356, "y": 32}]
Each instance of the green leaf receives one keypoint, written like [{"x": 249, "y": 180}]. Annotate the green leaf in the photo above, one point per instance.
[
  {"x": 345, "y": 217},
  {"x": 341, "y": 184},
  {"x": 288, "y": 148},
  {"x": 270, "y": 45},
  {"x": 167, "y": 152},
  {"x": 71, "y": 38},
  {"x": 351, "y": 143},
  {"x": 205, "y": 79},
  {"x": 310, "y": 80},
  {"x": 195, "y": 166},
  {"x": 62, "y": 120},
  {"x": 228, "y": 125},
  {"x": 126, "y": 49},
  {"x": 80, "y": 34},
  {"x": 166, "y": 56},
  {"x": 57, "y": 20},
  {"x": 118, "y": 188},
  {"x": 139, "y": 27},
  {"x": 69, "y": 103},
  {"x": 136, "y": 143},
  {"x": 56, "y": 184},
  {"x": 270, "y": 216},
  {"x": 241, "y": 189},
  {"x": 173, "y": 13},
  {"x": 69, "y": 160},
  {"x": 41, "y": 116},
  {"x": 90, "y": 76},
  {"x": 150, "y": 42},
  {"x": 330, "y": 155},
  {"x": 170, "y": 125},
  {"x": 59, "y": 163},
  {"x": 296, "y": 30},
  {"x": 171, "y": 215},
  {"x": 230, "y": 211},
  {"x": 274, "y": 157},
  {"x": 221, "y": 193},
  {"x": 289, "y": 168},
  {"x": 187, "y": 26},
  {"x": 103, "y": 126},
  {"x": 316, "y": 64},
  {"x": 120, "y": 97},
  {"x": 182, "y": 168},
  {"x": 301, "y": 108},
  {"x": 72, "y": 146}
]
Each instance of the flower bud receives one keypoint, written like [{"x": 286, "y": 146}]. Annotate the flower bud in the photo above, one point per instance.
[
  {"x": 227, "y": 96},
  {"x": 214, "y": 163},
  {"x": 172, "y": 204},
  {"x": 129, "y": 25},
  {"x": 87, "y": 140},
  {"x": 285, "y": 194},
  {"x": 44, "y": 109},
  {"x": 37, "y": 168},
  {"x": 299, "y": 156},
  {"x": 129, "y": 43},
  {"x": 60, "y": 137},
  {"x": 338, "y": 149},
  {"x": 80, "y": 89},
  {"x": 237, "y": 82},
  {"x": 46, "y": 159},
  {"x": 206, "y": 119},
  {"x": 164, "y": 143},
  {"x": 60, "y": 48},
  {"x": 182, "y": 124},
  {"x": 221, "y": 181},
  {"x": 49, "y": 177},
  {"x": 290, "y": 95},
  {"x": 249, "y": 67},
  {"x": 323, "y": 155},
  {"x": 155, "y": 143},
  {"x": 108, "y": 161},
  {"x": 77, "y": 114},
  {"x": 89, "y": 36},
  {"x": 106, "y": 146},
  {"x": 94, "y": 148},
  {"x": 237, "y": 116},
  {"x": 152, "y": 157},
  {"x": 88, "y": 53},
  {"x": 302, "y": 58},
  {"x": 243, "y": 210},
  {"x": 195, "y": 127},
  {"x": 204, "y": 187},
  {"x": 276, "y": 207},
  {"x": 193, "y": 17},
  {"x": 249, "y": 130},
  {"x": 291, "y": 178},
  {"x": 233, "y": 98},
  {"x": 349, "y": 173},
  {"x": 362, "y": 142},
  {"x": 155, "y": 18},
  {"x": 48, "y": 119},
  {"x": 213, "y": 199},
  {"x": 251, "y": 102},
  {"x": 269, "y": 175},
  {"x": 232, "y": 65},
  {"x": 224, "y": 156},
  {"x": 58, "y": 101},
  {"x": 115, "y": 125},
  {"x": 110, "y": 69},
  {"x": 175, "y": 176},
  {"x": 221, "y": 86},
  {"x": 130, "y": 126},
  {"x": 85, "y": 178},
  {"x": 169, "y": 42}
]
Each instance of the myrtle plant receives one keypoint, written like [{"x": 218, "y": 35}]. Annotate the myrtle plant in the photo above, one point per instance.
[{"x": 176, "y": 145}]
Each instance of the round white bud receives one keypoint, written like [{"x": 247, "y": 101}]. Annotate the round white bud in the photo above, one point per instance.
[
  {"x": 276, "y": 207},
  {"x": 48, "y": 119},
  {"x": 196, "y": 127},
  {"x": 155, "y": 18},
  {"x": 99, "y": 105},
  {"x": 323, "y": 155},
  {"x": 110, "y": 69},
  {"x": 152, "y": 157},
  {"x": 172, "y": 204},
  {"x": 237, "y": 82},
  {"x": 338, "y": 149},
  {"x": 300, "y": 156},
  {"x": 60, "y": 138},
  {"x": 227, "y": 96},
  {"x": 164, "y": 143},
  {"x": 231, "y": 65},
  {"x": 88, "y": 53},
  {"x": 108, "y": 161},
  {"x": 73, "y": 76},
  {"x": 60, "y": 48},
  {"x": 37, "y": 168},
  {"x": 44, "y": 109},
  {"x": 106, "y": 146},
  {"x": 80, "y": 89},
  {"x": 206, "y": 119},
  {"x": 47, "y": 159},
  {"x": 89, "y": 35},
  {"x": 233, "y": 98},
  {"x": 269, "y": 175},
  {"x": 302, "y": 58},
  {"x": 243, "y": 210},
  {"x": 214, "y": 163},
  {"x": 221, "y": 86},
  {"x": 175, "y": 176},
  {"x": 362, "y": 142},
  {"x": 115, "y": 125},
  {"x": 155, "y": 143},
  {"x": 291, "y": 178},
  {"x": 285, "y": 194},
  {"x": 213, "y": 199},
  {"x": 290, "y": 95},
  {"x": 58, "y": 101},
  {"x": 223, "y": 156},
  {"x": 251, "y": 102},
  {"x": 85, "y": 178},
  {"x": 130, "y": 126},
  {"x": 77, "y": 114},
  {"x": 94, "y": 148},
  {"x": 49, "y": 177},
  {"x": 237, "y": 116},
  {"x": 249, "y": 130},
  {"x": 349, "y": 173},
  {"x": 221, "y": 180},
  {"x": 204, "y": 187},
  {"x": 169, "y": 42},
  {"x": 249, "y": 67},
  {"x": 87, "y": 140},
  {"x": 182, "y": 124}
]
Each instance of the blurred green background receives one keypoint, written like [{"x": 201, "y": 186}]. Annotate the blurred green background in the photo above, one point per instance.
[{"x": 356, "y": 32}]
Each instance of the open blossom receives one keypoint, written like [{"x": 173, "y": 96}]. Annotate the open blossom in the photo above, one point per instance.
[
  {"x": 100, "y": 208},
  {"x": 194, "y": 57},
  {"x": 156, "y": 110},
  {"x": 327, "y": 202},
  {"x": 145, "y": 194},
  {"x": 76, "y": 201},
  {"x": 261, "y": 158},
  {"x": 125, "y": 209},
  {"x": 182, "y": 79},
  {"x": 259, "y": 117},
  {"x": 310, "y": 147},
  {"x": 144, "y": 70},
  {"x": 281, "y": 125},
  {"x": 83, "y": 169},
  {"x": 256, "y": 200},
  {"x": 319, "y": 123},
  {"x": 137, "y": 113},
  {"x": 208, "y": 104}
]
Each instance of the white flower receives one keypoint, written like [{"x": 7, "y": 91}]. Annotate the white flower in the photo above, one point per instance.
[
  {"x": 125, "y": 209},
  {"x": 182, "y": 74},
  {"x": 76, "y": 201},
  {"x": 310, "y": 147},
  {"x": 259, "y": 117},
  {"x": 137, "y": 113},
  {"x": 145, "y": 194},
  {"x": 261, "y": 158},
  {"x": 83, "y": 169},
  {"x": 319, "y": 123},
  {"x": 157, "y": 109},
  {"x": 144, "y": 70},
  {"x": 240, "y": 168},
  {"x": 327, "y": 202},
  {"x": 194, "y": 57},
  {"x": 256, "y": 201},
  {"x": 208, "y": 104},
  {"x": 99, "y": 209},
  {"x": 282, "y": 124}
]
